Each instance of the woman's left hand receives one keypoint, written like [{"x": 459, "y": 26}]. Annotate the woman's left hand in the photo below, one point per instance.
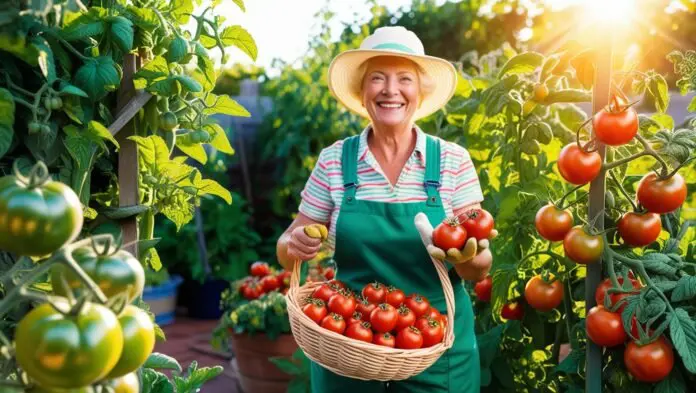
[{"x": 472, "y": 248}]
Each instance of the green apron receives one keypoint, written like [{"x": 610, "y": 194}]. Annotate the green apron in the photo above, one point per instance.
[{"x": 379, "y": 241}]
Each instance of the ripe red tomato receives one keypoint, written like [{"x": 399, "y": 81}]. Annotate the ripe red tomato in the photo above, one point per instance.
[
  {"x": 432, "y": 313},
  {"x": 324, "y": 292},
  {"x": 449, "y": 234},
  {"x": 284, "y": 278},
  {"x": 405, "y": 318},
  {"x": 337, "y": 284},
  {"x": 334, "y": 322},
  {"x": 443, "y": 320},
  {"x": 582, "y": 247},
  {"x": 614, "y": 298},
  {"x": 342, "y": 304},
  {"x": 543, "y": 296},
  {"x": 431, "y": 330},
  {"x": 409, "y": 338},
  {"x": 605, "y": 328},
  {"x": 364, "y": 307},
  {"x": 418, "y": 304},
  {"x": 512, "y": 311},
  {"x": 483, "y": 289},
  {"x": 638, "y": 229},
  {"x": 384, "y": 339},
  {"x": 355, "y": 318},
  {"x": 384, "y": 318},
  {"x": 651, "y": 362},
  {"x": 478, "y": 223},
  {"x": 553, "y": 223},
  {"x": 270, "y": 283},
  {"x": 578, "y": 167},
  {"x": 634, "y": 328},
  {"x": 253, "y": 290},
  {"x": 360, "y": 331},
  {"x": 260, "y": 269},
  {"x": 315, "y": 309},
  {"x": 661, "y": 196},
  {"x": 329, "y": 273},
  {"x": 616, "y": 127},
  {"x": 374, "y": 292},
  {"x": 395, "y": 296}
]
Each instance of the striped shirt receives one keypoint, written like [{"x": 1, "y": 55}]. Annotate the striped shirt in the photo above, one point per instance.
[{"x": 323, "y": 192}]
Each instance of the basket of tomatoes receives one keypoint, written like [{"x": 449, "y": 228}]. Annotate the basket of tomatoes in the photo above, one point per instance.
[{"x": 377, "y": 332}]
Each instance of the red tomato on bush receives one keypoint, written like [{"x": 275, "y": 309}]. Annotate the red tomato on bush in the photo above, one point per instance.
[
  {"x": 253, "y": 290},
  {"x": 615, "y": 127},
  {"x": 605, "y": 328},
  {"x": 395, "y": 296},
  {"x": 512, "y": 311},
  {"x": 384, "y": 339},
  {"x": 270, "y": 283},
  {"x": 614, "y": 298},
  {"x": 334, "y": 322},
  {"x": 553, "y": 223},
  {"x": 449, "y": 234},
  {"x": 260, "y": 269},
  {"x": 284, "y": 278},
  {"x": 578, "y": 167},
  {"x": 651, "y": 362},
  {"x": 364, "y": 307},
  {"x": 483, "y": 289},
  {"x": 316, "y": 310},
  {"x": 384, "y": 318},
  {"x": 478, "y": 223},
  {"x": 405, "y": 318},
  {"x": 582, "y": 247},
  {"x": 342, "y": 304},
  {"x": 543, "y": 296},
  {"x": 409, "y": 338},
  {"x": 418, "y": 304},
  {"x": 374, "y": 292},
  {"x": 661, "y": 196},
  {"x": 360, "y": 331},
  {"x": 638, "y": 229}
]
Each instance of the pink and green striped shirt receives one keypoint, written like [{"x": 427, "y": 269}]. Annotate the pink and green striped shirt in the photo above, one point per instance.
[{"x": 323, "y": 193}]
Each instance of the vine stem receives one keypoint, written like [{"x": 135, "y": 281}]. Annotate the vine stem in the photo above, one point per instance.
[
  {"x": 623, "y": 190},
  {"x": 67, "y": 45},
  {"x": 567, "y": 194},
  {"x": 653, "y": 153},
  {"x": 641, "y": 270},
  {"x": 625, "y": 160},
  {"x": 13, "y": 86},
  {"x": 549, "y": 253},
  {"x": 162, "y": 21},
  {"x": 568, "y": 304},
  {"x": 21, "y": 101}
]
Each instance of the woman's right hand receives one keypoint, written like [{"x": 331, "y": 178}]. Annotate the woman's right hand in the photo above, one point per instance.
[{"x": 302, "y": 246}]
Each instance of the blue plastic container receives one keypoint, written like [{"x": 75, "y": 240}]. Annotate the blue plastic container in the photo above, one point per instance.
[{"x": 162, "y": 300}]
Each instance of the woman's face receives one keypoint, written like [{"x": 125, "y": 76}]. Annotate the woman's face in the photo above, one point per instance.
[{"x": 391, "y": 90}]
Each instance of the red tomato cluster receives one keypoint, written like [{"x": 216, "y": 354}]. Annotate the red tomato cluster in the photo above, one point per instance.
[
  {"x": 379, "y": 314},
  {"x": 263, "y": 280},
  {"x": 453, "y": 232}
]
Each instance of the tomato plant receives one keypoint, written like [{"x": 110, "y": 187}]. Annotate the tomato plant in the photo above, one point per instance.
[
  {"x": 478, "y": 223},
  {"x": 639, "y": 230},
  {"x": 659, "y": 195},
  {"x": 138, "y": 340},
  {"x": 615, "y": 126},
  {"x": 483, "y": 289},
  {"x": 543, "y": 295},
  {"x": 615, "y": 298},
  {"x": 583, "y": 247},
  {"x": 604, "y": 327},
  {"x": 553, "y": 223},
  {"x": 449, "y": 234},
  {"x": 512, "y": 311},
  {"x": 577, "y": 166},
  {"x": 651, "y": 362}
]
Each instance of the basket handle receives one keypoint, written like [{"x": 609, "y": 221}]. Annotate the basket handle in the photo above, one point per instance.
[{"x": 448, "y": 340}]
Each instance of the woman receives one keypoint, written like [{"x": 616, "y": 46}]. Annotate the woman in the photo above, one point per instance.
[{"x": 367, "y": 190}]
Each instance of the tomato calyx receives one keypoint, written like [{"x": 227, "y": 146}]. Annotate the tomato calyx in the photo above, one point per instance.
[{"x": 38, "y": 175}]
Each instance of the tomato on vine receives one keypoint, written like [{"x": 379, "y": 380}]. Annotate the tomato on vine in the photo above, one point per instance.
[
  {"x": 478, "y": 224},
  {"x": 577, "y": 166},
  {"x": 582, "y": 247},
  {"x": 651, "y": 362},
  {"x": 615, "y": 298},
  {"x": 512, "y": 311},
  {"x": 604, "y": 327},
  {"x": 639, "y": 229},
  {"x": 449, "y": 234},
  {"x": 138, "y": 340},
  {"x": 552, "y": 223},
  {"x": 260, "y": 269},
  {"x": 169, "y": 121},
  {"x": 542, "y": 295},
  {"x": 661, "y": 195},
  {"x": 483, "y": 289},
  {"x": 615, "y": 126}
]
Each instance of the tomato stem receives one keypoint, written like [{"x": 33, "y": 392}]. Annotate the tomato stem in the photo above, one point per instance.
[
  {"x": 623, "y": 190},
  {"x": 577, "y": 136},
  {"x": 549, "y": 253},
  {"x": 567, "y": 194},
  {"x": 625, "y": 160},
  {"x": 652, "y": 152}
]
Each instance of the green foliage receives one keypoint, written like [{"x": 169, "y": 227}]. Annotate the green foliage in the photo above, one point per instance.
[{"x": 189, "y": 381}]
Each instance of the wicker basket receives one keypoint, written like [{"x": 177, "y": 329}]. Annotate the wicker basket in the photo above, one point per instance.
[{"x": 356, "y": 359}]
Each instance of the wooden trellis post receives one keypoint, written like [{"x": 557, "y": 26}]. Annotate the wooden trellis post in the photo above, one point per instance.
[{"x": 600, "y": 98}]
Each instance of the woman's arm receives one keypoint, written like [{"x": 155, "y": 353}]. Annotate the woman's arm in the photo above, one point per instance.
[
  {"x": 294, "y": 244},
  {"x": 477, "y": 268}
]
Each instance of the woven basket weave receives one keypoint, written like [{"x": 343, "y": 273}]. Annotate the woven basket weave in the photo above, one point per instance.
[{"x": 356, "y": 359}]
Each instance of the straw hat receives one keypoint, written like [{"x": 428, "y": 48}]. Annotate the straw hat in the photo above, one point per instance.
[{"x": 346, "y": 70}]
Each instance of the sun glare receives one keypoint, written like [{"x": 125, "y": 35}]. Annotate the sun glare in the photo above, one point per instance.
[{"x": 616, "y": 11}]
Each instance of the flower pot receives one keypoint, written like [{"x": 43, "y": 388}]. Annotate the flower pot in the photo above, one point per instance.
[
  {"x": 204, "y": 299},
  {"x": 162, "y": 300},
  {"x": 256, "y": 373}
]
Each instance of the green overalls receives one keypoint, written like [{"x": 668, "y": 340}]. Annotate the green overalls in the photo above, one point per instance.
[{"x": 379, "y": 241}]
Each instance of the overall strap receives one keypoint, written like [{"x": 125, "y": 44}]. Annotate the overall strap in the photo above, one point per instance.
[
  {"x": 432, "y": 171},
  {"x": 349, "y": 162}
]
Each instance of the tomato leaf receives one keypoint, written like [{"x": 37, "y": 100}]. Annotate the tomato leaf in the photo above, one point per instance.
[
  {"x": 218, "y": 138},
  {"x": 659, "y": 90},
  {"x": 239, "y": 37},
  {"x": 193, "y": 150},
  {"x": 155, "y": 69},
  {"x": 692, "y": 105},
  {"x": 188, "y": 83},
  {"x": 683, "y": 333},
  {"x": 97, "y": 77},
  {"x": 502, "y": 280},
  {"x": 143, "y": 17},
  {"x": 549, "y": 64},
  {"x": 161, "y": 361},
  {"x": 181, "y": 11},
  {"x": 659, "y": 263},
  {"x": 583, "y": 63},
  {"x": 165, "y": 87},
  {"x": 155, "y": 382},
  {"x": 153, "y": 150},
  {"x": 521, "y": 64},
  {"x": 567, "y": 96},
  {"x": 674, "y": 383},
  {"x": 240, "y": 4},
  {"x": 122, "y": 33},
  {"x": 205, "y": 73},
  {"x": 571, "y": 364},
  {"x": 6, "y": 136},
  {"x": 47, "y": 63},
  {"x": 78, "y": 30},
  {"x": 80, "y": 148},
  {"x": 98, "y": 132},
  {"x": 17, "y": 45},
  {"x": 211, "y": 187},
  {"x": 7, "y": 108},
  {"x": 224, "y": 105},
  {"x": 68, "y": 89},
  {"x": 685, "y": 289}
]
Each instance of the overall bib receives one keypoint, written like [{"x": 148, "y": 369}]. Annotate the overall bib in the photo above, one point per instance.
[{"x": 379, "y": 241}]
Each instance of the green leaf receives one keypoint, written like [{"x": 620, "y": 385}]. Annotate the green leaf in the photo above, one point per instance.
[
  {"x": 672, "y": 384},
  {"x": 143, "y": 17},
  {"x": 683, "y": 333},
  {"x": 122, "y": 33},
  {"x": 119, "y": 213},
  {"x": 664, "y": 120},
  {"x": 659, "y": 263},
  {"x": 80, "y": 148},
  {"x": 570, "y": 365},
  {"x": 659, "y": 89},
  {"x": 567, "y": 96},
  {"x": 193, "y": 150},
  {"x": 522, "y": 63},
  {"x": 68, "y": 89},
  {"x": 98, "y": 131},
  {"x": 97, "y": 77},
  {"x": 78, "y": 31},
  {"x": 161, "y": 361},
  {"x": 17, "y": 45},
  {"x": 165, "y": 87},
  {"x": 218, "y": 138},
  {"x": 7, "y": 108},
  {"x": 237, "y": 36},
  {"x": 155, "y": 382},
  {"x": 6, "y": 135},
  {"x": 205, "y": 73},
  {"x": 685, "y": 289},
  {"x": 692, "y": 105},
  {"x": 152, "y": 258},
  {"x": 211, "y": 187},
  {"x": 583, "y": 63},
  {"x": 179, "y": 215},
  {"x": 182, "y": 10},
  {"x": 224, "y": 105},
  {"x": 47, "y": 63},
  {"x": 188, "y": 83},
  {"x": 200, "y": 376},
  {"x": 178, "y": 48},
  {"x": 154, "y": 70},
  {"x": 240, "y": 4},
  {"x": 153, "y": 149}
]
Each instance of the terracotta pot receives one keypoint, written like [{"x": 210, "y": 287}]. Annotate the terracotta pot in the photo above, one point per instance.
[
  {"x": 254, "y": 385},
  {"x": 252, "y": 353}
]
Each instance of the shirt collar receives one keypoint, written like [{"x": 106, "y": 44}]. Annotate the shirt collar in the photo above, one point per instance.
[{"x": 419, "y": 151}]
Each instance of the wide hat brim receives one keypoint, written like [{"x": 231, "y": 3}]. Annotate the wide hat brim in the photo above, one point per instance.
[{"x": 344, "y": 78}]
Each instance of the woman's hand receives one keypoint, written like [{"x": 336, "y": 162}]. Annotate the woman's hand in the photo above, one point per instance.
[
  {"x": 302, "y": 240},
  {"x": 302, "y": 246},
  {"x": 471, "y": 250}
]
